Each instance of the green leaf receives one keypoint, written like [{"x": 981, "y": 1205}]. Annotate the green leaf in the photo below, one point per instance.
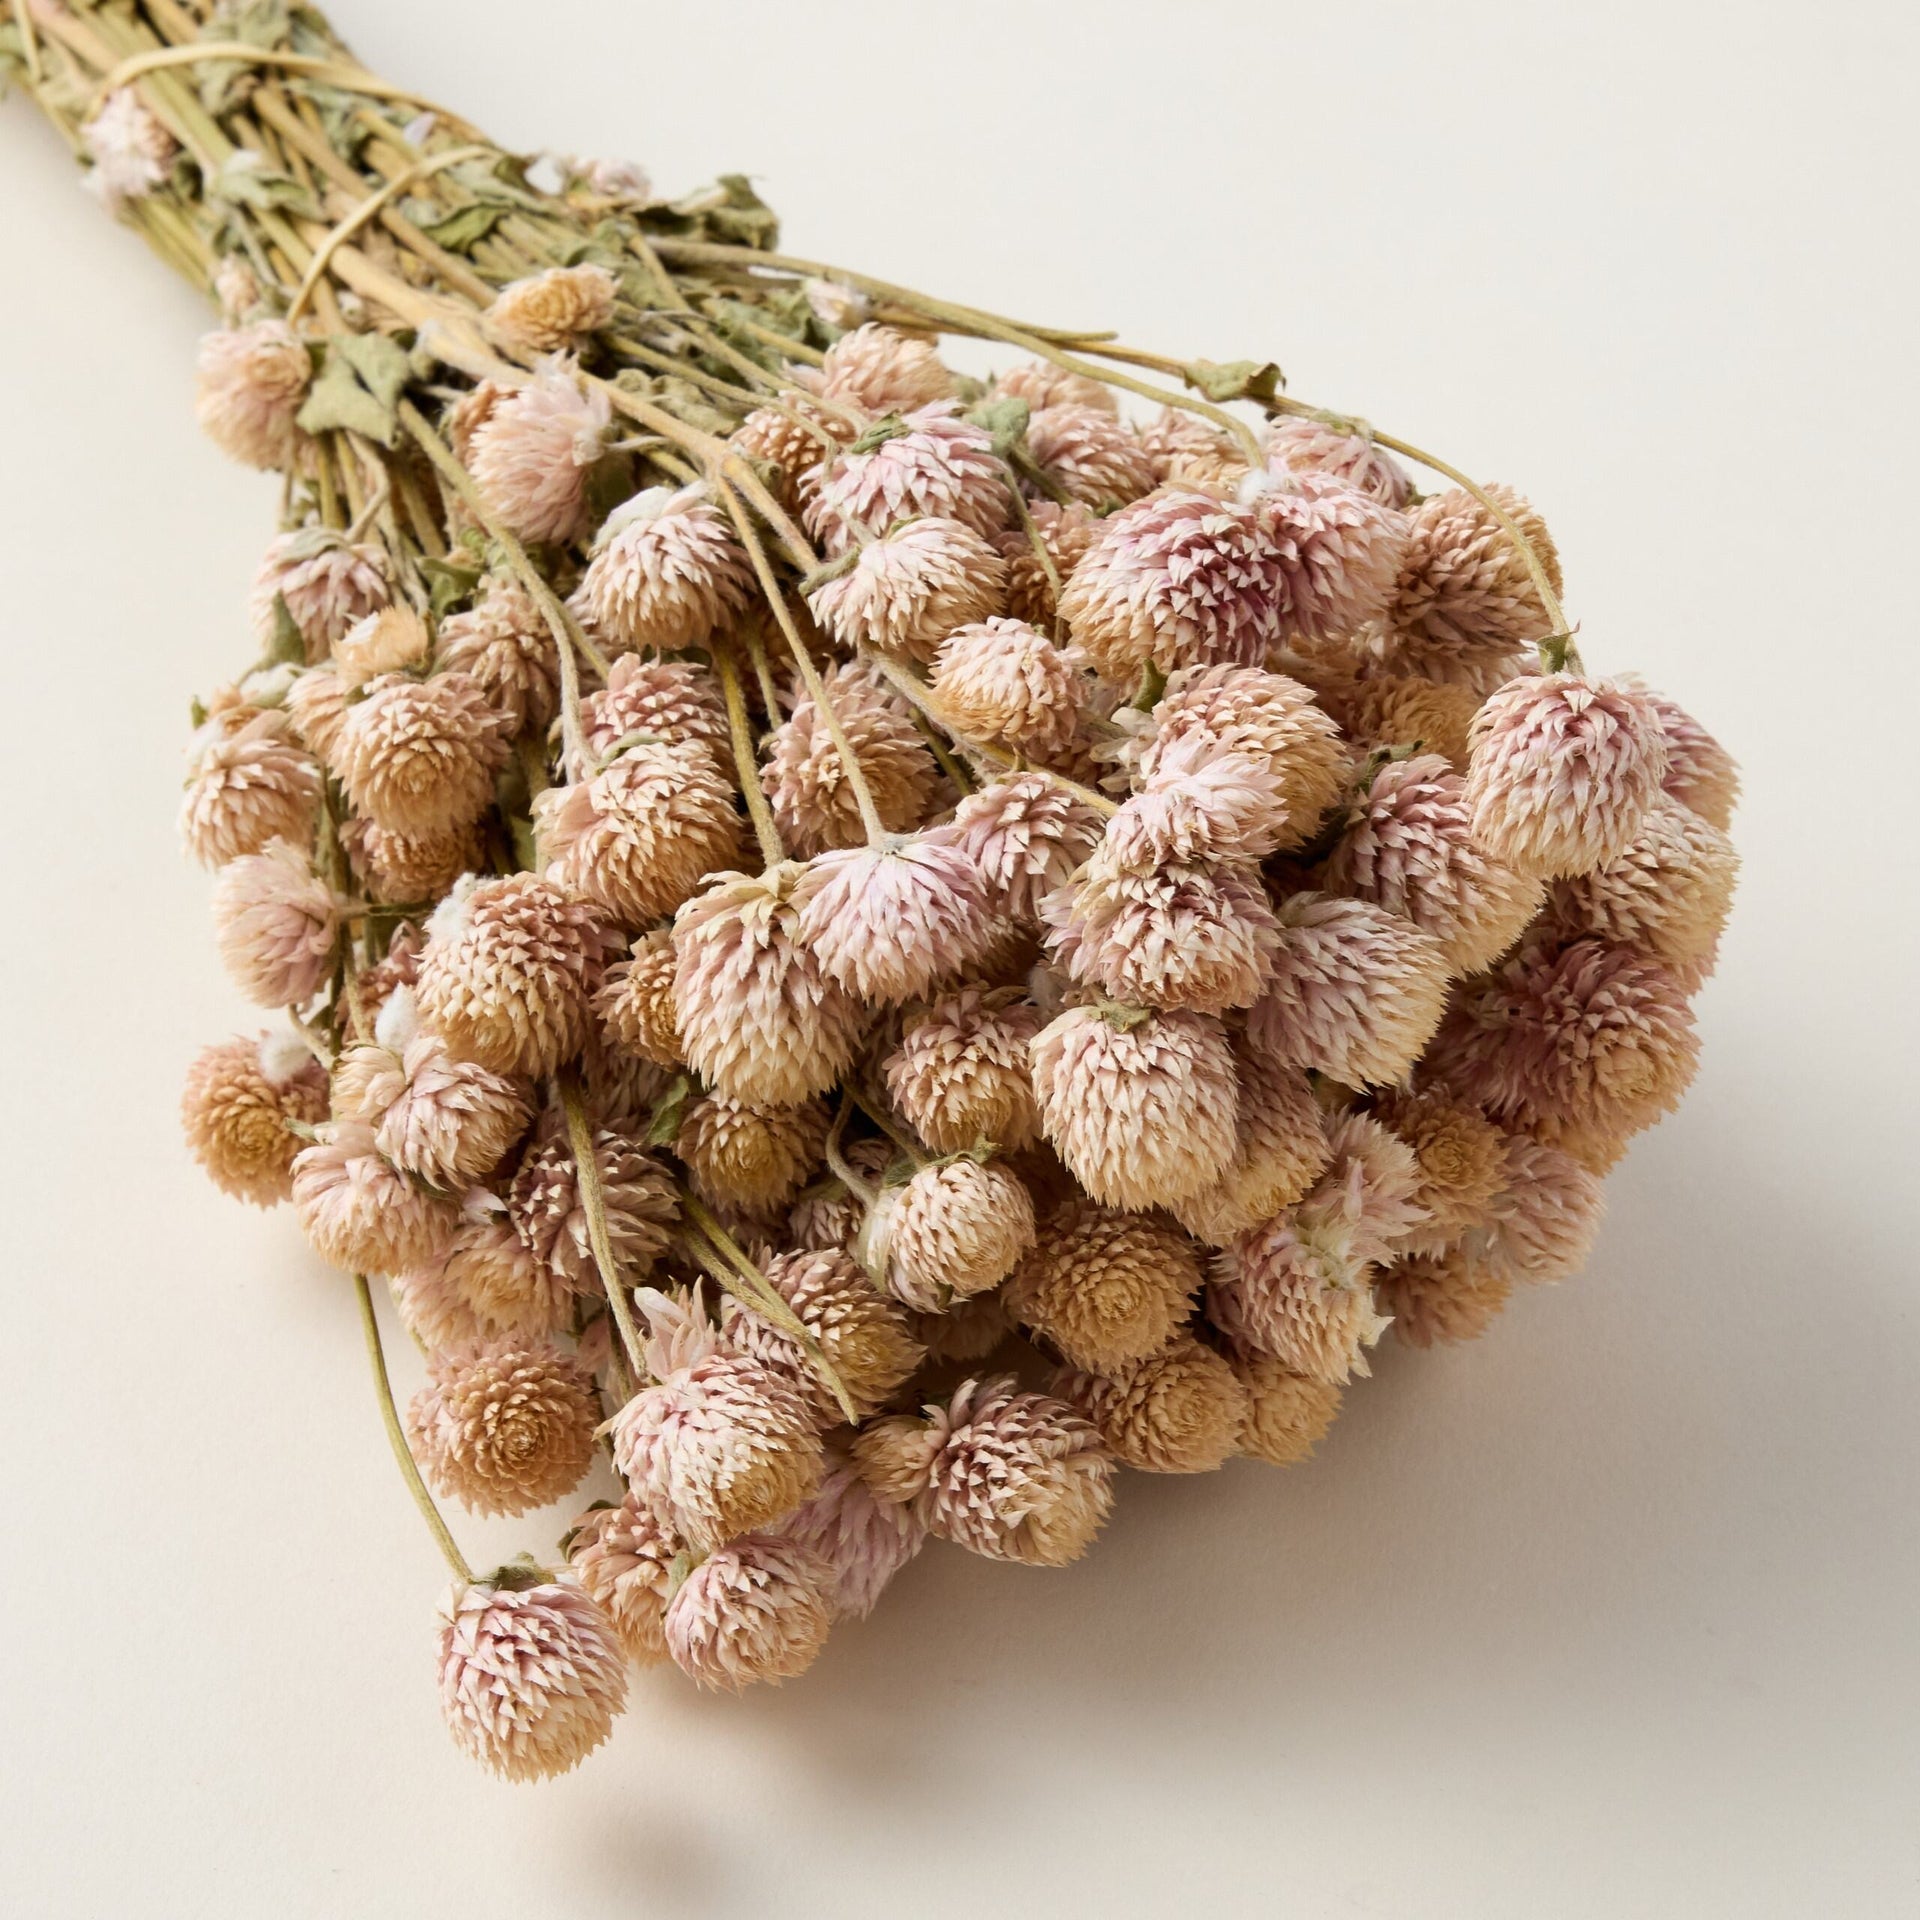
[
  {"x": 245, "y": 180},
  {"x": 449, "y": 584},
  {"x": 1006, "y": 419},
  {"x": 667, "y": 1112},
  {"x": 380, "y": 362},
  {"x": 259, "y": 23},
  {"x": 358, "y": 389},
  {"x": 463, "y": 229},
  {"x": 1235, "y": 379},
  {"x": 288, "y": 647}
]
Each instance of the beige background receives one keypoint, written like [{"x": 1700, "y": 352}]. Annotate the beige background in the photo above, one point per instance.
[{"x": 1610, "y": 1614}]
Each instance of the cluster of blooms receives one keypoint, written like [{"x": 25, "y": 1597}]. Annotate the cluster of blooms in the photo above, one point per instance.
[{"x": 902, "y": 950}]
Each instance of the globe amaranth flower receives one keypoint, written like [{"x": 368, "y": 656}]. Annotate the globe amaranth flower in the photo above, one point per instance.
[
  {"x": 1294, "y": 1289},
  {"x": 326, "y": 584},
  {"x": 251, "y": 783},
  {"x": 132, "y": 153},
  {"x": 756, "y": 1610},
  {"x": 750, "y": 1159},
  {"x": 930, "y": 462},
  {"x": 960, "y": 1072},
  {"x": 623, "y": 1557},
  {"x": 1090, "y": 454},
  {"x": 1281, "y": 1151},
  {"x": 884, "y": 370},
  {"x": 667, "y": 571},
  {"x": 277, "y": 924},
  {"x": 251, "y": 382},
  {"x": 1000, "y": 682},
  {"x": 1441, "y": 1299},
  {"x": 533, "y": 448},
  {"x": 359, "y": 1211},
  {"x": 1340, "y": 550},
  {"x": 1063, "y": 534},
  {"x": 505, "y": 646},
  {"x": 549, "y": 1211},
  {"x": 239, "y": 1108},
  {"x": 1301, "y": 445},
  {"x": 956, "y": 1228},
  {"x": 1024, "y": 837},
  {"x": 1181, "y": 1410},
  {"x": 911, "y": 586},
  {"x": 1288, "y": 1413},
  {"x": 552, "y": 311},
  {"x": 419, "y": 756},
  {"x": 863, "y": 1539}
]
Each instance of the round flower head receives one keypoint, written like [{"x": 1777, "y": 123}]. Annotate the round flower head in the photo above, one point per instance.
[
  {"x": 1266, "y": 716},
  {"x": 530, "y": 1678},
  {"x": 1369, "y": 1194},
  {"x": 1294, "y": 1290},
  {"x": 635, "y": 1003},
  {"x": 677, "y": 701},
  {"x": 1582, "y": 1046},
  {"x": 1408, "y": 848},
  {"x": 1443, "y": 1298},
  {"x": 1700, "y": 771},
  {"x": 327, "y": 586},
  {"x": 911, "y": 587},
  {"x": 930, "y": 462},
  {"x": 960, "y": 1073},
  {"x": 1187, "y": 452},
  {"x": 792, "y": 434},
  {"x": 419, "y": 756},
  {"x": 1282, "y": 1150},
  {"x": 482, "y": 1282},
  {"x": 132, "y": 153},
  {"x": 1189, "y": 936},
  {"x": 863, "y": 1539},
  {"x": 639, "y": 837},
  {"x": 1398, "y": 711},
  {"x": 509, "y": 968},
  {"x": 239, "y": 1107},
  {"x": 1179, "y": 1411},
  {"x": 1546, "y": 1216},
  {"x": 250, "y": 784},
  {"x": 1462, "y": 1161},
  {"x": 862, "y": 1333},
  {"x": 828, "y": 1216},
  {"x": 1024, "y": 837},
  {"x": 667, "y": 571},
  {"x": 718, "y": 1444},
  {"x": 534, "y": 448},
  {"x": 967, "y": 1331},
  {"x": 560, "y": 308},
  {"x": 1340, "y": 550},
  {"x": 359, "y": 1211},
  {"x": 432, "y": 1307},
  {"x": 750, "y": 1159},
  {"x": 886, "y": 922},
  {"x": 448, "y": 1121},
  {"x": 957, "y": 1228},
  {"x": 1105, "y": 1289},
  {"x": 623, "y": 1557},
  {"x": 805, "y": 779},
  {"x": 1200, "y": 803},
  {"x": 1090, "y": 454},
  {"x": 1355, "y": 993},
  {"x": 1667, "y": 892},
  {"x": 1466, "y": 600},
  {"x": 1179, "y": 579},
  {"x": 549, "y": 1212},
  {"x": 504, "y": 1426},
  {"x": 1011, "y": 1475},
  {"x": 502, "y": 643},
  {"x": 1563, "y": 770},
  {"x": 1142, "y": 1107},
  {"x": 316, "y": 704},
  {"x": 758, "y": 1016},
  {"x": 252, "y": 381},
  {"x": 390, "y": 640},
  {"x": 1288, "y": 1413},
  {"x": 1041, "y": 385},
  {"x": 1065, "y": 533},
  {"x": 1314, "y": 446},
  {"x": 399, "y": 867},
  {"x": 882, "y": 370},
  {"x": 1001, "y": 682},
  {"x": 754, "y": 1610},
  {"x": 276, "y": 923}
]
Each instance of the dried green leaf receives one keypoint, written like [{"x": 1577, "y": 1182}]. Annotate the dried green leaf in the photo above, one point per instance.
[
  {"x": 224, "y": 84},
  {"x": 1235, "y": 379},
  {"x": 245, "y": 180},
  {"x": 463, "y": 229},
  {"x": 288, "y": 647},
  {"x": 449, "y": 584},
  {"x": 358, "y": 388},
  {"x": 668, "y": 1111},
  {"x": 1006, "y": 419}
]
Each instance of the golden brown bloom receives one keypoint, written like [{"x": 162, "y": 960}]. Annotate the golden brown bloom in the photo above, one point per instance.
[
  {"x": 557, "y": 309},
  {"x": 772, "y": 434},
  {"x": 750, "y": 1159},
  {"x": 405, "y": 867},
  {"x": 1041, "y": 385},
  {"x": 1443, "y": 1298},
  {"x": 1187, "y": 452},
  {"x": 1179, "y": 1411},
  {"x": 635, "y": 1002},
  {"x": 1395, "y": 711},
  {"x": 239, "y": 1107},
  {"x": 388, "y": 640},
  {"x": 912, "y": 586},
  {"x": 1090, "y": 454},
  {"x": 1282, "y": 1150},
  {"x": 419, "y": 756},
  {"x": 1461, "y": 1157},
  {"x": 1001, "y": 682},
  {"x": 1104, "y": 1288},
  {"x": 677, "y": 701},
  {"x": 1288, "y": 1413},
  {"x": 960, "y": 1073},
  {"x": 1065, "y": 533}
]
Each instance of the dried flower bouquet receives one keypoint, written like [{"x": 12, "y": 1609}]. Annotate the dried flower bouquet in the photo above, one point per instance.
[{"x": 876, "y": 944}]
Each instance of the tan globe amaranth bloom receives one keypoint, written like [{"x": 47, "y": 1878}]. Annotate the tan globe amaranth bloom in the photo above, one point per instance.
[
  {"x": 1281, "y": 1151},
  {"x": 1063, "y": 534},
  {"x": 250, "y": 784},
  {"x": 407, "y": 867},
  {"x": 930, "y": 463},
  {"x": 911, "y": 586},
  {"x": 635, "y": 1002},
  {"x": 677, "y": 701},
  {"x": 806, "y": 780},
  {"x": 482, "y": 1282},
  {"x": 1288, "y": 1413},
  {"x": 388, "y": 640},
  {"x": 1444, "y": 1298},
  {"x": 863, "y": 1539},
  {"x": 960, "y": 1073},
  {"x": 420, "y": 756},
  {"x": 549, "y": 1211},
  {"x": 1294, "y": 1289},
  {"x": 560, "y": 308},
  {"x": 1392, "y": 710},
  {"x": 1462, "y": 1162},
  {"x": 503, "y": 644},
  {"x": 1700, "y": 772},
  {"x": 1041, "y": 385},
  {"x": 1178, "y": 1411},
  {"x": 238, "y": 1109},
  {"x": 958, "y": 1227},
  {"x": 251, "y": 381},
  {"x": 755, "y": 1611},
  {"x": 1466, "y": 600},
  {"x": 1547, "y": 1215},
  {"x": 1187, "y": 452},
  {"x": 623, "y": 1556},
  {"x": 750, "y": 1159},
  {"x": 885, "y": 370},
  {"x": 792, "y": 433},
  {"x": 1340, "y": 550},
  {"x": 447, "y": 1121},
  {"x": 1090, "y": 454},
  {"x": 1001, "y": 682}
]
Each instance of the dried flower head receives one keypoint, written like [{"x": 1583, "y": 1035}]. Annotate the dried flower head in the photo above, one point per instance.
[
  {"x": 1103, "y": 1288},
  {"x": 132, "y": 153},
  {"x": 359, "y": 1211},
  {"x": 967, "y": 1331},
  {"x": 1063, "y": 534},
  {"x": 238, "y": 1109},
  {"x": 326, "y": 585},
  {"x": 677, "y": 701},
  {"x": 549, "y": 1212},
  {"x": 957, "y": 1228},
  {"x": 1282, "y": 1150},
  {"x": 530, "y": 1679},
  {"x": 420, "y": 756},
  {"x": 1403, "y": 711},
  {"x": 1042, "y": 385},
  {"x": 1178, "y": 1411},
  {"x": 1090, "y": 454},
  {"x": 911, "y": 587},
  {"x": 533, "y": 449},
  {"x": 1024, "y": 837},
  {"x": 561, "y": 308},
  {"x": 1462, "y": 1161},
  {"x": 667, "y": 571},
  {"x": 250, "y": 784},
  {"x": 930, "y": 462},
  {"x": 883, "y": 370},
  {"x": 483, "y": 1281},
  {"x": 1466, "y": 600},
  {"x": 1340, "y": 550},
  {"x": 1294, "y": 1289},
  {"x": 960, "y": 1074},
  {"x": 316, "y": 704},
  {"x": 504, "y": 1426},
  {"x": 887, "y": 921},
  {"x": 405, "y": 867},
  {"x": 623, "y": 1556},
  {"x": 503, "y": 644},
  {"x": 1201, "y": 803},
  {"x": 863, "y": 1539},
  {"x": 448, "y": 1121},
  {"x": 828, "y": 1216},
  {"x": 1317, "y": 446},
  {"x": 1187, "y": 452},
  {"x": 635, "y": 1002},
  {"x": 755, "y": 1610},
  {"x": 388, "y": 640},
  {"x": 806, "y": 780},
  {"x": 1546, "y": 1217},
  {"x": 1443, "y": 1298},
  {"x": 1288, "y": 1413},
  {"x": 1369, "y": 1194},
  {"x": 276, "y": 923},
  {"x": 252, "y": 380},
  {"x": 750, "y": 1159},
  {"x": 793, "y": 433},
  {"x": 1001, "y": 682},
  {"x": 1700, "y": 771}
]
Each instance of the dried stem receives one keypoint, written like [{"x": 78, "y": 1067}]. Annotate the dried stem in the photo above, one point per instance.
[{"x": 593, "y": 1201}]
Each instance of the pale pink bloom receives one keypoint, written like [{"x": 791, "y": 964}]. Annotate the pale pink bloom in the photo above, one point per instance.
[
  {"x": 1547, "y": 1215},
  {"x": 326, "y": 584},
  {"x": 1177, "y": 1411},
  {"x": 679, "y": 701},
  {"x": 863, "y": 1539},
  {"x": 1200, "y": 803},
  {"x": 1004, "y": 1473},
  {"x": 505, "y": 646},
  {"x": 667, "y": 571},
  {"x": 251, "y": 382},
  {"x": 420, "y": 756},
  {"x": 1355, "y": 993},
  {"x": 1186, "y": 451},
  {"x": 1041, "y": 385},
  {"x": 1313, "y": 446},
  {"x": 957, "y": 1228},
  {"x": 1466, "y": 600},
  {"x": 236, "y": 287},
  {"x": 1563, "y": 770},
  {"x": 1288, "y": 1414},
  {"x": 238, "y": 1109},
  {"x": 402, "y": 867},
  {"x": 132, "y": 153},
  {"x": 560, "y": 308},
  {"x": 549, "y": 1214},
  {"x": 1441, "y": 1299},
  {"x": 960, "y": 1073},
  {"x": 433, "y": 1307},
  {"x": 623, "y": 1556},
  {"x": 1340, "y": 550},
  {"x": 1001, "y": 682},
  {"x": 884, "y": 370},
  {"x": 530, "y": 1679},
  {"x": 937, "y": 464},
  {"x": 760, "y": 1018},
  {"x": 1142, "y": 1107},
  {"x": 887, "y": 921},
  {"x": 359, "y": 1211},
  {"x": 619, "y": 180},
  {"x": 1296, "y": 1289},
  {"x": 635, "y": 1002},
  {"x": 533, "y": 450},
  {"x": 746, "y": 1159},
  {"x": 249, "y": 784},
  {"x": 276, "y": 923},
  {"x": 448, "y": 1121},
  {"x": 757, "y": 1609},
  {"x": 835, "y": 304},
  {"x": 911, "y": 587},
  {"x": 1090, "y": 454},
  {"x": 1024, "y": 836},
  {"x": 1282, "y": 1149},
  {"x": 483, "y": 1281},
  {"x": 1370, "y": 1191},
  {"x": 1460, "y": 1160},
  {"x": 316, "y": 703},
  {"x": 1700, "y": 772}
]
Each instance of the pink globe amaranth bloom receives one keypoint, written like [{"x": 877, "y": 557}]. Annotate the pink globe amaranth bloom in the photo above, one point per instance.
[
  {"x": 959, "y": 1074},
  {"x": 1408, "y": 848},
  {"x": 505, "y": 646},
  {"x": 401, "y": 868},
  {"x": 1179, "y": 579},
  {"x": 640, "y": 836},
  {"x": 1441, "y": 1299},
  {"x": 1340, "y": 551},
  {"x": 530, "y": 1679},
  {"x": 326, "y": 585},
  {"x": 1187, "y": 452},
  {"x": 534, "y": 448},
  {"x": 251, "y": 382},
  {"x": 1181, "y": 1410},
  {"x": 1142, "y": 1107},
  {"x": 935, "y": 464},
  {"x": 1200, "y": 803},
  {"x": 276, "y": 923},
  {"x": 1369, "y": 1193},
  {"x": 623, "y": 1556},
  {"x": 419, "y": 756},
  {"x": 1179, "y": 935},
  {"x": 359, "y": 1211},
  {"x": 549, "y": 1213},
  {"x": 883, "y": 370},
  {"x": 911, "y": 587},
  {"x": 1090, "y": 454},
  {"x": 1315, "y": 446},
  {"x": 887, "y": 921},
  {"x": 239, "y": 1106},
  {"x": 448, "y": 1121},
  {"x": 1297, "y": 1290},
  {"x": 1024, "y": 837},
  {"x": 957, "y": 1228},
  {"x": 1041, "y": 385},
  {"x": 750, "y": 1160},
  {"x": 667, "y": 571},
  {"x": 1700, "y": 772},
  {"x": 677, "y": 700},
  {"x": 755, "y": 1610},
  {"x": 760, "y": 1018},
  {"x": 1282, "y": 1149},
  {"x": 1563, "y": 769},
  {"x": 483, "y": 1281},
  {"x": 132, "y": 153},
  {"x": 1581, "y": 1046},
  {"x": 1001, "y": 682},
  {"x": 863, "y": 1539},
  {"x": 250, "y": 784},
  {"x": 1355, "y": 992},
  {"x": 1004, "y": 1473},
  {"x": 1546, "y": 1218}
]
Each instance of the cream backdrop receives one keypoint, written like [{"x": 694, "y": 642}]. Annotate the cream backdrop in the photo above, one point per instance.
[{"x": 1610, "y": 1614}]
